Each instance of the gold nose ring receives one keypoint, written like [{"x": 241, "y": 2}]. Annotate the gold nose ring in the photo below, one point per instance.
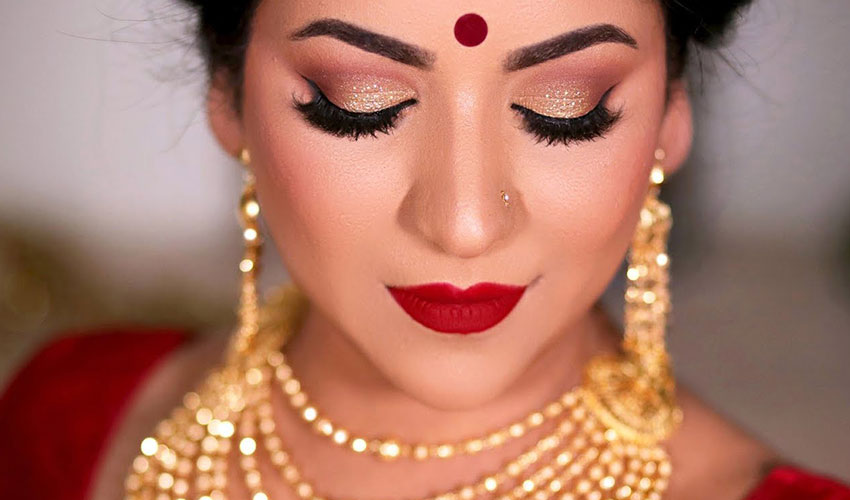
[{"x": 505, "y": 198}]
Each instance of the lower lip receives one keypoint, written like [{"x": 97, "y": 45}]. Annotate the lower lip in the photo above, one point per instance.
[{"x": 447, "y": 309}]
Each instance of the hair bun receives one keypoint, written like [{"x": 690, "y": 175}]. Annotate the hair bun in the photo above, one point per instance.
[{"x": 707, "y": 23}]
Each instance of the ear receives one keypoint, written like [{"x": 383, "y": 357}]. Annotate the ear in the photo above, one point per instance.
[
  {"x": 677, "y": 128},
  {"x": 225, "y": 122}
]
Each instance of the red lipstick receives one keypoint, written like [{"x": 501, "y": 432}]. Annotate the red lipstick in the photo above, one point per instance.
[{"x": 448, "y": 309}]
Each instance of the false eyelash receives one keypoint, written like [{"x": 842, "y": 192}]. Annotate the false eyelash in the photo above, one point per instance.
[
  {"x": 589, "y": 126},
  {"x": 325, "y": 115}
]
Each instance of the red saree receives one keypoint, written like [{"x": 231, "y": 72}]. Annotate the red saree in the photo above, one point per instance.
[{"x": 59, "y": 410}]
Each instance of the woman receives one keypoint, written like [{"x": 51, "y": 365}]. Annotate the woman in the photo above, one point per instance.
[{"x": 440, "y": 338}]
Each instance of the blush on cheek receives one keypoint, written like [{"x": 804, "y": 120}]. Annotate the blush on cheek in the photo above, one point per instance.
[{"x": 598, "y": 205}]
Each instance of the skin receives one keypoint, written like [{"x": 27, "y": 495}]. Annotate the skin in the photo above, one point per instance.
[{"x": 422, "y": 205}]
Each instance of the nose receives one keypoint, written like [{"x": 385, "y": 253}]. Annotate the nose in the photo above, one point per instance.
[{"x": 454, "y": 202}]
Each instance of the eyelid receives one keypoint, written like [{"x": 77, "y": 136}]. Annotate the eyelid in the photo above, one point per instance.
[
  {"x": 559, "y": 100},
  {"x": 367, "y": 94}
]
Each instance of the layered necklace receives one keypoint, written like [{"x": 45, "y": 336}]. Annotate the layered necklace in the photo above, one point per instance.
[{"x": 603, "y": 439}]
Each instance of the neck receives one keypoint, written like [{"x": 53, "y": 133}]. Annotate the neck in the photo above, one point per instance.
[{"x": 349, "y": 389}]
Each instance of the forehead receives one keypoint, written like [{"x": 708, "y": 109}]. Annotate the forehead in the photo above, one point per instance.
[{"x": 431, "y": 24}]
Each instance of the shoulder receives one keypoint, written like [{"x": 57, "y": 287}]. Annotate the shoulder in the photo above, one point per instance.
[
  {"x": 59, "y": 406},
  {"x": 716, "y": 458}
]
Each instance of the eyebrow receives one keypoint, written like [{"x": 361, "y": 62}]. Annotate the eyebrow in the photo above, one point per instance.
[
  {"x": 369, "y": 41},
  {"x": 418, "y": 57},
  {"x": 566, "y": 43}
]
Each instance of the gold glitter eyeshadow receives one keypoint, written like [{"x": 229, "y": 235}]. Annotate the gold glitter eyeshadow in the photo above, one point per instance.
[
  {"x": 363, "y": 94},
  {"x": 558, "y": 101}
]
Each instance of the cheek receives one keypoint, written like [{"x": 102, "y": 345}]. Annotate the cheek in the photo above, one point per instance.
[
  {"x": 320, "y": 209},
  {"x": 586, "y": 207},
  {"x": 584, "y": 204},
  {"x": 327, "y": 200},
  {"x": 590, "y": 202}
]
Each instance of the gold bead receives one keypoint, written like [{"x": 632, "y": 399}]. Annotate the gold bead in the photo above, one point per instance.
[
  {"x": 292, "y": 387},
  {"x": 279, "y": 457},
  {"x": 204, "y": 463},
  {"x": 474, "y": 446},
  {"x": 298, "y": 400},
  {"x": 304, "y": 490},
  {"x": 253, "y": 479},
  {"x": 595, "y": 472},
  {"x": 324, "y": 426},
  {"x": 657, "y": 175},
  {"x": 389, "y": 449},
  {"x": 359, "y": 445},
  {"x": 247, "y": 446},
  {"x": 309, "y": 414},
  {"x": 553, "y": 409},
  {"x": 149, "y": 446},
  {"x": 420, "y": 452},
  {"x": 536, "y": 419},
  {"x": 283, "y": 372},
  {"x": 290, "y": 473},
  {"x": 340, "y": 436},
  {"x": 245, "y": 158}
]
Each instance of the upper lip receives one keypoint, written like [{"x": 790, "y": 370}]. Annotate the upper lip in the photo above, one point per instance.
[{"x": 450, "y": 294}]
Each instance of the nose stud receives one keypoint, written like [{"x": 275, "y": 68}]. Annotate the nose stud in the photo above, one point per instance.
[{"x": 505, "y": 198}]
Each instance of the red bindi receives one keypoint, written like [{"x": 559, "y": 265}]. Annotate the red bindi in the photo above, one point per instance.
[{"x": 470, "y": 29}]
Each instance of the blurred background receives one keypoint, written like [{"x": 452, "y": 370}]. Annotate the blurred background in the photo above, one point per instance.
[{"x": 117, "y": 208}]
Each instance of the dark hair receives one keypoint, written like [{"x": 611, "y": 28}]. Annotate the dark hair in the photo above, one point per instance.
[{"x": 223, "y": 30}]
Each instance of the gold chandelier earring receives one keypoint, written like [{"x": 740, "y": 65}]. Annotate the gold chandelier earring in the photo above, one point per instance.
[
  {"x": 635, "y": 393},
  {"x": 249, "y": 266}
]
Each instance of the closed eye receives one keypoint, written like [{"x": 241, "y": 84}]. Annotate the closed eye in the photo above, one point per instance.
[
  {"x": 323, "y": 114},
  {"x": 592, "y": 125}
]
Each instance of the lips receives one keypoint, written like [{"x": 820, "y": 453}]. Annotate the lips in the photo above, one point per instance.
[{"x": 447, "y": 309}]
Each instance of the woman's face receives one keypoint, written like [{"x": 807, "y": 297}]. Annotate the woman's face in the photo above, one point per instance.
[{"x": 422, "y": 203}]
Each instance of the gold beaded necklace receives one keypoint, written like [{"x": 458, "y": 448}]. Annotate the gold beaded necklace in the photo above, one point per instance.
[
  {"x": 390, "y": 448},
  {"x": 187, "y": 456},
  {"x": 606, "y": 439}
]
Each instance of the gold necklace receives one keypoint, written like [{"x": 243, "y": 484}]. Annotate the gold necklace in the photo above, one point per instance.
[
  {"x": 391, "y": 448},
  {"x": 187, "y": 455}
]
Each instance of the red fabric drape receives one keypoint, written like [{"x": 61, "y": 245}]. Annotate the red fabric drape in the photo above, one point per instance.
[
  {"x": 59, "y": 410},
  {"x": 789, "y": 482}
]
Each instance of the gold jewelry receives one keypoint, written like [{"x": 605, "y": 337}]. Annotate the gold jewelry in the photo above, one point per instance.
[
  {"x": 391, "y": 448},
  {"x": 505, "y": 198},
  {"x": 635, "y": 393},
  {"x": 607, "y": 442},
  {"x": 249, "y": 211}
]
